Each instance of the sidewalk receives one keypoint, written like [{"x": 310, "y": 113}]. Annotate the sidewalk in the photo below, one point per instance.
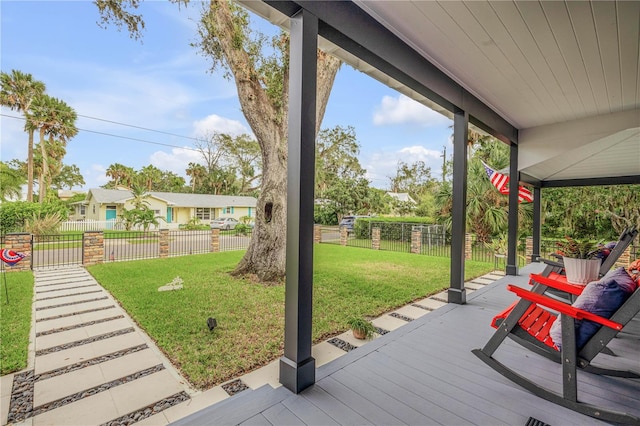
[{"x": 91, "y": 364}]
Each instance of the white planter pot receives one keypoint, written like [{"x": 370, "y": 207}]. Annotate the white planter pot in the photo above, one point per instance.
[{"x": 581, "y": 271}]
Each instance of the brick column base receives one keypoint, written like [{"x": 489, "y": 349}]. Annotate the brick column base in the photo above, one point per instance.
[
  {"x": 375, "y": 238},
  {"x": 21, "y": 243},
  {"x": 92, "y": 247},
  {"x": 164, "y": 243},
  {"x": 215, "y": 240},
  {"x": 416, "y": 241}
]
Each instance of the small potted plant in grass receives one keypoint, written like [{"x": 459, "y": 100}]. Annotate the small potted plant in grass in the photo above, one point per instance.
[
  {"x": 579, "y": 259},
  {"x": 362, "y": 329}
]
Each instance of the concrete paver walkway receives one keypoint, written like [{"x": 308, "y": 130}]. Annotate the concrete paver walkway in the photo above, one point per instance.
[{"x": 90, "y": 363}]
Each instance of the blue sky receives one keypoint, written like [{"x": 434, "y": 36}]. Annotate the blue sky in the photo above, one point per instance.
[{"x": 162, "y": 83}]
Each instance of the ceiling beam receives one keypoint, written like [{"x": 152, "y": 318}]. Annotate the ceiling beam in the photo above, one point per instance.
[{"x": 614, "y": 180}]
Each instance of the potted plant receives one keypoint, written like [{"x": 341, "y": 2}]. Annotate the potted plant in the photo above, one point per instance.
[
  {"x": 362, "y": 329},
  {"x": 579, "y": 259}
]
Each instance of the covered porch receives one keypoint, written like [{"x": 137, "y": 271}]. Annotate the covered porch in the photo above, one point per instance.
[
  {"x": 425, "y": 373},
  {"x": 558, "y": 83}
]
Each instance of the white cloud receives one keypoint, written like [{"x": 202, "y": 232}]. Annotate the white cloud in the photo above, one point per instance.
[
  {"x": 404, "y": 110},
  {"x": 381, "y": 165},
  {"x": 177, "y": 161},
  {"x": 94, "y": 176},
  {"x": 215, "y": 123},
  {"x": 419, "y": 153}
]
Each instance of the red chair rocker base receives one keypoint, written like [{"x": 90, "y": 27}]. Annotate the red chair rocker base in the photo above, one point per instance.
[{"x": 529, "y": 322}]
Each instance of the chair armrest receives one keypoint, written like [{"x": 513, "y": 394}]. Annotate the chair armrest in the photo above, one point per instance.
[
  {"x": 552, "y": 262},
  {"x": 558, "y": 285},
  {"x": 563, "y": 308}
]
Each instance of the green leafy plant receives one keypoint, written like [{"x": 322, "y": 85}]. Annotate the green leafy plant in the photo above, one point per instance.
[
  {"x": 44, "y": 225},
  {"x": 362, "y": 329},
  {"x": 578, "y": 248},
  {"x": 498, "y": 245},
  {"x": 242, "y": 229}
]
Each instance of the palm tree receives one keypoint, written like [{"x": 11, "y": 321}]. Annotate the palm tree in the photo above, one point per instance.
[
  {"x": 197, "y": 173},
  {"x": 11, "y": 181},
  {"x": 150, "y": 174},
  {"x": 18, "y": 92},
  {"x": 140, "y": 196},
  {"x": 56, "y": 119},
  {"x": 117, "y": 172}
]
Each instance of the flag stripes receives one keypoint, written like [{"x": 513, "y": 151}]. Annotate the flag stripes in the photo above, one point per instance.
[{"x": 501, "y": 181}]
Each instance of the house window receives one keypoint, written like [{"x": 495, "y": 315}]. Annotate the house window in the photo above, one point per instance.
[
  {"x": 228, "y": 210},
  {"x": 83, "y": 209},
  {"x": 94, "y": 209},
  {"x": 156, "y": 212},
  {"x": 204, "y": 213}
]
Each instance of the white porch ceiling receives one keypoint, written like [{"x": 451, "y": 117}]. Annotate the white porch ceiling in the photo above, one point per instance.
[
  {"x": 539, "y": 64},
  {"x": 566, "y": 73}
]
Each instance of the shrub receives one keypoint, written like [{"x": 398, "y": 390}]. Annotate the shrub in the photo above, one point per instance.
[
  {"x": 43, "y": 225},
  {"x": 325, "y": 215},
  {"x": 242, "y": 229},
  {"x": 391, "y": 228},
  {"x": 13, "y": 216}
]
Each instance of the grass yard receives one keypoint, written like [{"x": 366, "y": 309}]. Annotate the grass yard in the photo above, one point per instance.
[
  {"x": 347, "y": 282},
  {"x": 15, "y": 321}
]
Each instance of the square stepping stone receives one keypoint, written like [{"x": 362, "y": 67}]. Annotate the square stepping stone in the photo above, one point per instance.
[
  {"x": 430, "y": 303},
  {"x": 325, "y": 352},
  {"x": 388, "y": 323}
]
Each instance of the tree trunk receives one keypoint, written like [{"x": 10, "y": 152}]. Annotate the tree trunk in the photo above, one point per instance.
[
  {"x": 42, "y": 185},
  {"x": 266, "y": 255},
  {"x": 30, "y": 167}
]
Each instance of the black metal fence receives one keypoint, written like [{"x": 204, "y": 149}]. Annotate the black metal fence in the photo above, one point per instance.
[
  {"x": 235, "y": 239},
  {"x": 330, "y": 234},
  {"x": 120, "y": 246},
  {"x": 182, "y": 243},
  {"x": 433, "y": 244},
  {"x": 52, "y": 251}
]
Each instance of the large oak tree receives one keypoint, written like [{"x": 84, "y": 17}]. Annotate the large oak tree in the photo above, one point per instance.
[{"x": 262, "y": 82}]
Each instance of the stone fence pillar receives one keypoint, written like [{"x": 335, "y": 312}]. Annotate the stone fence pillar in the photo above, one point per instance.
[
  {"x": 468, "y": 246},
  {"x": 416, "y": 241},
  {"x": 21, "y": 243},
  {"x": 164, "y": 243},
  {"x": 344, "y": 235},
  {"x": 375, "y": 238},
  {"x": 317, "y": 234},
  {"x": 92, "y": 247},
  {"x": 528, "y": 250},
  {"x": 215, "y": 240}
]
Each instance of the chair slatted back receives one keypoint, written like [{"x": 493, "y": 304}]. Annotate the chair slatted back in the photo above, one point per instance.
[{"x": 627, "y": 236}]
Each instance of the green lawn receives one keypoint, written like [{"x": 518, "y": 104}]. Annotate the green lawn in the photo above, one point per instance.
[
  {"x": 347, "y": 282},
  {"x": 15, "y": 321}
]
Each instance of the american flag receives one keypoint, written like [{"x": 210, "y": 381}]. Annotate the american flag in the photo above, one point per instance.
[{"x": 501, "y": 182}]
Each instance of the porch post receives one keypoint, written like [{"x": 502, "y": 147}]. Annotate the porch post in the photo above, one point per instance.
[
  {"x": 457, "y": 293},
  {"x": 297, "y": 366},
  {"x": 537, "y": 223},
  {"x": 514, "y": 185}
]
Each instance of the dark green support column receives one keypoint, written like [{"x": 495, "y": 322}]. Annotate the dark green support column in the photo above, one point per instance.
[
  {"x": 457, "y": 293},
  {"x": 514, "y": 185},
  {"x": 297, "y": 366}
]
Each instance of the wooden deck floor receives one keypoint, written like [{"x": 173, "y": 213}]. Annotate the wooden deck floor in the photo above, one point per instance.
[{"x": 424, "y": 373}]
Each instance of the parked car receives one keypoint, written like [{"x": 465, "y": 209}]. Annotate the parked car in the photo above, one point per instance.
[
  {"x": 224, "y": 223},
  {"x": 349, "y": 222}
]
